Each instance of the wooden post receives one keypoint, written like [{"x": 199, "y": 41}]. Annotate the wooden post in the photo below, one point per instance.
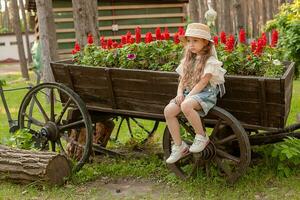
[
  {"x": 47, "y": 36},
  {"x": 29, "y": 57},
  {"x": 17, "y": 30},
  {"x": 202, "y": 9},
  {"x": 85, "y": 15},
  {"x": 25, "y": 166}
]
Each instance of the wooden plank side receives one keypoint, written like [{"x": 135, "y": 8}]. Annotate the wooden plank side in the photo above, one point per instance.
[{"x": 287, "y": 85}]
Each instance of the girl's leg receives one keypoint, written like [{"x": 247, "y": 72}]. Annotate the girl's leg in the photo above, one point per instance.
[
  {"x": 170, "y": 112},
  {"x": 189, "y": 108}
]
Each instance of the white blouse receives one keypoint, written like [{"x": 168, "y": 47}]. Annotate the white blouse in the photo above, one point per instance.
[{"x": 213, "y": 66}]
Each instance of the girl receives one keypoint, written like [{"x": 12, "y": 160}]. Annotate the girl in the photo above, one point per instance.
[{"x": 200, "y": 73}]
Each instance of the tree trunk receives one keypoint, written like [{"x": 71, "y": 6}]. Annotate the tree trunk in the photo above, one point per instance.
[
  {"x": 202, "y": 9},
  {"x": 47, "y": 36},
  {"x": 25, "y": 166},
  {"x": 85, "y": 15},
  {"x": 7, "y": 23},
  {"x": 17, "y": 30},
  {"x": 29, "y": 57},
  {"x": 239, "y": 17},
  {"x": 226, "y": 22},
  {"x": 194, "y": 10}
]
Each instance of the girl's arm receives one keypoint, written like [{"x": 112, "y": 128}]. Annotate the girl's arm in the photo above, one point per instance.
[
  {"x": 201, "y": 84},
  {"x": 180, "y": 88}
]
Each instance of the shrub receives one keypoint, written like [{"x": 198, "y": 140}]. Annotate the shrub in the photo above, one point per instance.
[{"x": 287, "y": 21}]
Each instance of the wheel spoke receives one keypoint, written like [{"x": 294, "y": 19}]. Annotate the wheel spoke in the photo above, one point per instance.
[
  {"x": 223, "y": 167},
  {"x": 224, "y": 154},
  {"x": 71, "y": 125},
  {"x": 60, "y": 146},
  {"x": 52, "y": 117},
  {"x": 63, "y": 111},
  {"x": 216, "y": 128},
  {"x": 34, "y": 121},
  {"x": 41, "y": 109},
  {"x": 227, "y": 139}
]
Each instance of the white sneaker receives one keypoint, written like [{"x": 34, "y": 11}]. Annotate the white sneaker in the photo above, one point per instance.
[
  {"x": 199, "y": 144},
  {"x": 177, "y": 152}
]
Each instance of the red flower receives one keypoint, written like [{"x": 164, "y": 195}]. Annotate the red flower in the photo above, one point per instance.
[
  {"x": 158, "y": 33},
  {"x": 176, "y": 38},
  {"x": 216, "y": 40},
  {"x": 90, "y": 39},
  {"x": 253, "y": 46},
  {"x": 230, "y": 43},
  {"x": 102, "y": 40},
  {"x": 274, "y": 38},
  {"x": 181, "y": 31},
  {"x": 167, "y": 34},
  {"x": 123, "y": 39},
  {"x": 264, "y": 39},
  {"x": 259, "y": 48},
  {"x": 223, "y": 37},
  {"x": 109, "y": 43},
  {"x": 74, "y": 51},
  {"x": 138, "y": 34},
  {"x": 77, "y": 47},
  {"x": 115, "y": 44},
  {"x": 128, "y": 37},
  {"x": 131, "y": 40},
  {"x": 242, "y": 36},
  {"x": 148, "y": 37},
  {"x": 163, "y": 36}
]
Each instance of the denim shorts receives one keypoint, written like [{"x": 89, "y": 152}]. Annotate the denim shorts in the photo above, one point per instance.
[{"x": 207, "y": 98}]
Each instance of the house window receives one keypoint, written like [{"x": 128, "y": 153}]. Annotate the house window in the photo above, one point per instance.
[
  {"x": 2, "y": 43},
  {"x": 13, "y": 43}
]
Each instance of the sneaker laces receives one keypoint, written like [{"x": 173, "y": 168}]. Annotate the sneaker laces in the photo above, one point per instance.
[
  {"x": 198, "y": 140},
  {"x": 175, "y": 149}
]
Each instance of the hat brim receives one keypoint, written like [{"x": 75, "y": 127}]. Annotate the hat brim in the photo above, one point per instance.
[{"x": 183, "y": 39}]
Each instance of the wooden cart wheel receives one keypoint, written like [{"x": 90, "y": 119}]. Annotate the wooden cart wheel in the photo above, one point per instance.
[
  {"x": 49, "y": 121},
  {"x": 138, "y": 124},
  {"x": 218, "y": 152}
]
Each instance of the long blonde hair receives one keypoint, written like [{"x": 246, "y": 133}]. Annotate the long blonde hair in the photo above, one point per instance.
[{"x": 193, "y": 65}]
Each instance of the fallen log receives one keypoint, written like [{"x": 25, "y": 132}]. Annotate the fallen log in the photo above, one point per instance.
[{"x": 24, "y": 166}]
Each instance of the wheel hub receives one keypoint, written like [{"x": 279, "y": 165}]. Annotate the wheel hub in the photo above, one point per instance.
[{"x": 50, "y": 131}]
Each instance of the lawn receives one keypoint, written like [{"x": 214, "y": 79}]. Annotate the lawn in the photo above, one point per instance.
[{"x": 145, "y": 171}]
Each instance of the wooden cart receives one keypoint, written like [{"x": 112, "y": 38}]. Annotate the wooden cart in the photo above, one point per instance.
[{"x": 250, "y": 106}]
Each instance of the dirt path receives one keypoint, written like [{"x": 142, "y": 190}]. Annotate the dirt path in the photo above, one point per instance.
[{"x": 9, "y": 68}]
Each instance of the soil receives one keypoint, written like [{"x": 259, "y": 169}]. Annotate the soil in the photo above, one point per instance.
[{"x": 9, "y": 68}]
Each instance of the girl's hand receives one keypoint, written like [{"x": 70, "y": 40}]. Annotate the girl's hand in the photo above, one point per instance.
[{"x": 179, "y": 99}]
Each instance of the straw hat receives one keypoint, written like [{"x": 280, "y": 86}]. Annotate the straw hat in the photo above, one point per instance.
[{"x": 197, "y": 30}]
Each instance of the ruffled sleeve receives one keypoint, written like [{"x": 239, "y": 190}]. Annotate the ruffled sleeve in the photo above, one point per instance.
[
  {"x": 179, "y": 70},
  {"x": 214, "y": 67}
]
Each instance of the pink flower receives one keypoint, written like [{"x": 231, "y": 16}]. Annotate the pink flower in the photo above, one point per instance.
[
  {"x": 131, "y": 56},
  {"x": 242, "y": 36}
]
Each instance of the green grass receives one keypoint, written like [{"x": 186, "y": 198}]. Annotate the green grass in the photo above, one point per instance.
[{"x": 260, "y": 181}]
